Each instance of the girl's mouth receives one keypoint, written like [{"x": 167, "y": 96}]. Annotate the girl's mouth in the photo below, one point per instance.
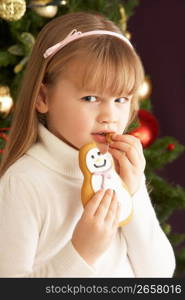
[{"x": 100, "y": 137}]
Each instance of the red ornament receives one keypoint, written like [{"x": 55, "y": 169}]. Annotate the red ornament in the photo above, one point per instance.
[
  {"x": 148, "y": 130},
  {"x": 171, "y": 147}
]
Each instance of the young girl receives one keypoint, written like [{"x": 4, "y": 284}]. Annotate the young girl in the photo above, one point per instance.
[{"x": 82, "y": 80}]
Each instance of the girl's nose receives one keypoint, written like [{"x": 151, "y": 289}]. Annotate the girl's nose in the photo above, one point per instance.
[{"x": 107, "y": 114}]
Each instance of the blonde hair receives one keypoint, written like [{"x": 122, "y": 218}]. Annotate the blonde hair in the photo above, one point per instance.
[{"x": 106, "y": 58}]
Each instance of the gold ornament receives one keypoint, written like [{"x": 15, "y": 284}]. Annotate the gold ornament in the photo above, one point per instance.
[
  {"x": 123, "y": 20},
  {"x": 19, "y": 67},
  {"x": 12, "y": 10},
  {"x": 145, "y": 89},
  {"x": 43, "y": 10},
  {"x": 39, "y": 2},
  {"x": 6, "y": 101}
]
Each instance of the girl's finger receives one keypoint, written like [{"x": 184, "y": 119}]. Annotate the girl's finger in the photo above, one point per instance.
[
  {"x": 128, "y": 148},
  {"x": 103, "y": 207},
  {"x": 117, "y": 217},
  {"x": 93, "y": 203},
  {"x": 112, "y": 209},
  {"x": 121, "y": 156},
  {"x": 129, "y": 139},
  {"x": 124, "y": 151}
]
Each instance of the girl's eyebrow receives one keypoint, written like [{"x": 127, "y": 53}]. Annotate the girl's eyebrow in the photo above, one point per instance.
[
  {"x": 90, "y": 92},
  {"x": 97, "y": 94}
]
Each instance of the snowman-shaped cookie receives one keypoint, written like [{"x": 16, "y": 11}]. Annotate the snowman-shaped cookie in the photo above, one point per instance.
[{"x": 99, "y": 172}]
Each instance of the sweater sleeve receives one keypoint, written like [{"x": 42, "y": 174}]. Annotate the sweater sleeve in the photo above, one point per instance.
[
  {"x": 20, "y": 224},
  {"x": 149, "y": 250}
]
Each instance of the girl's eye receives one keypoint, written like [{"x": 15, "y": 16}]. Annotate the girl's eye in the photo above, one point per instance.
[
  {"x": 89, "y": 98},
  {"x": 121, "y": 100}
]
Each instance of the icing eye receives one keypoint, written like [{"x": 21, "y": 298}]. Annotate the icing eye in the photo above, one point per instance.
[
  {"x": 92, "y": 156},
  {"x": 98, "y": 153}
]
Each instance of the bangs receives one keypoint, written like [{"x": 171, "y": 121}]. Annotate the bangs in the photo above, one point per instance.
[{"x": 111, "y": 68}]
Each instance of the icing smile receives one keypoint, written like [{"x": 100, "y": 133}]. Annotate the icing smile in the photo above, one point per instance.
[{"x": 100, "y": 166}]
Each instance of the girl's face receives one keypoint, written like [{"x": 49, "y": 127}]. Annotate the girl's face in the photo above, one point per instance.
[{"x": 79, "y": 116}]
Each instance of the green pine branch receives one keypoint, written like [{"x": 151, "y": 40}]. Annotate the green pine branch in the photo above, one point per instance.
[
  {"x": 166, "y": 198},
  {"x": 158, "y": 154}
]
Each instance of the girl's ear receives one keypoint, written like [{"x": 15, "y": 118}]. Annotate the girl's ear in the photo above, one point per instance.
[{"x": 42, "y": 100}]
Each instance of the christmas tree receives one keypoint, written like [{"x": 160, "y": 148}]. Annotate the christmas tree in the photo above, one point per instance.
[{"x": 20, "y": 22}]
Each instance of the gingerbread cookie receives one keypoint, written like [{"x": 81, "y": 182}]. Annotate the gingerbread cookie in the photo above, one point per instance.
[
  {"x": 99, "y": 172},
  {"x": 108, "y": 137}
]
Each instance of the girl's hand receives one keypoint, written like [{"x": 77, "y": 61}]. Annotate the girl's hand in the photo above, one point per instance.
[
  {"x": 97, "y": 226},
  {"x": 127, "y": 152}
]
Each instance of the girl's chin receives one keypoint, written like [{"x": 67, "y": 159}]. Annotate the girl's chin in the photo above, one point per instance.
[{"x": 70, "y": 144}]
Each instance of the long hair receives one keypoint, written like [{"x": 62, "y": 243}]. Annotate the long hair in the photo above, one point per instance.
[{"x": 107, "y": 62}]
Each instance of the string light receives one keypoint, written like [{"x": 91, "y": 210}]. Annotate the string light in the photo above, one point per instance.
[
  {"x": 63, "y": 2},
  {"x": 145, "y": 89},
  {"x": 6, "y": 100}
]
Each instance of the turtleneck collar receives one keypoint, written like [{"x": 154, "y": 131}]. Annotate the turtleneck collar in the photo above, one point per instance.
[{"x": 55, "y": 154}]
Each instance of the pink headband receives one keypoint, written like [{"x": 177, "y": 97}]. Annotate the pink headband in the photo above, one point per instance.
[{"x": 75, "y": 35}]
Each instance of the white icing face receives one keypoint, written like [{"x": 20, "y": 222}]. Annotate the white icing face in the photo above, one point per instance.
[{"x": 97, "y": 162}]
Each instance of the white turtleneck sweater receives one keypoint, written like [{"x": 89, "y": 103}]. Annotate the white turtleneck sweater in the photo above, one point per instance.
[{"x": 40, "y": 206}]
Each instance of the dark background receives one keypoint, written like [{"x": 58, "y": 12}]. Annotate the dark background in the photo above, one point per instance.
[{"x": 158, "y": 34}]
